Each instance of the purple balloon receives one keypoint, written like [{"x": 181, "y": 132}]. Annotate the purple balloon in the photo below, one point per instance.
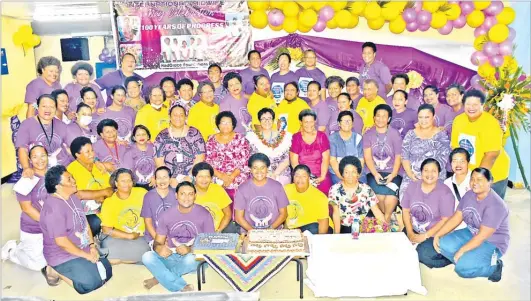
[
  {"x": 480, "y": 31},
  {"x": 466, "y": 7},
  {"x": 453, "y": 2},
  {"x": 475, "y": 82},
  {"x": 491, "y": 49},
  {"x": 102, "y": 57},
  {"x": 512, "y": 34},
  {"x": 105, "y": 51},
  {"x": 446, "y": 29},
  {"x": 424, "y": 27},
  {"x": 413, "y": 26},
  {"x": 326, "y": 13},
  {"x": 417, "y": 6},
  {"x": 275, "y": 17},
  {"x": 409, "y": 15},
  {"x": 489, "y": 22},
  {"x": 109, "y": 60},
  {"x": 459, "y": 22},
  {"x": 494, "y": 8},
  {"x": 506, "y": 47},
  {"x": 496, "y": 60},
  {"x": 319, "y": 26},
  {"x": 478, "y": 58},
  {"x": 424, "y": 17},
  {"x": 113, "y": 52}
]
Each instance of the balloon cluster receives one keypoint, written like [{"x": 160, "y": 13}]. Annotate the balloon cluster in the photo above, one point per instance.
[
  {"x": 319, "y": 15},
  {"x": 25, "y": 37},
  {"x": 107, "y": 56}
]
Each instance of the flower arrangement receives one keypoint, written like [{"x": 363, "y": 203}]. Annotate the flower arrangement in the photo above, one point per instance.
[
  {"x": 295, "y": 53},
  {"x": 415, "y": 79},
  {"x": 372, "y": 225}
]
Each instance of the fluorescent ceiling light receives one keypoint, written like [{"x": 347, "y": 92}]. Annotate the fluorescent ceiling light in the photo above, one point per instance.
[{"x": 66, "y": 12}]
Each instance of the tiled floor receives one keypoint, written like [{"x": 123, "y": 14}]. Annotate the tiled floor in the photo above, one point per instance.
[{"x": 442, "y": 284}]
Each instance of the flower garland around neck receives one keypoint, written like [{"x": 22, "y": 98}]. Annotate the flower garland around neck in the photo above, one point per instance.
[{"x": 276, "y": 142}]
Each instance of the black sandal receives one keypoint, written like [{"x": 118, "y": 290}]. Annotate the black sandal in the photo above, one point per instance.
[{"x": 49, "y": 280}]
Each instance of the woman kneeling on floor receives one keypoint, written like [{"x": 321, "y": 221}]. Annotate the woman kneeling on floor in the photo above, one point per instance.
[
  {"x": 476, "y": 250},
  {"x": 122, "y": 226}
]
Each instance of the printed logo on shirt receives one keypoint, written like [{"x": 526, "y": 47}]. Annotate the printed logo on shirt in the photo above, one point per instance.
[
  {"x": 472, "y": 219},
  {"x": 144, "y": 169},
  {"x": 421, "y": 216},
  {"x": 278, "y": 91},
  {"x": 212, "y": 208},
  {"x": 161, "y": 208},
  {"x": 282, "y": 122},
  {"x": 130, "y": 219},
  {"x": 468, "y": 142},
  {"x": 41, "y": 194},
  {"x": 124, "y": 128},
  {"x": 303, "y": 86},
  {"x": 261, "y": 211},
  {"x": 398, "y": 123},
  {"x": 294, "y": 211},
  {"x": 183, "y": 231}
]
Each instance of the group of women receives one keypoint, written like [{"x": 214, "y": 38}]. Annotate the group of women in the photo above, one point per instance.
[{"x": 125, "y": 154}]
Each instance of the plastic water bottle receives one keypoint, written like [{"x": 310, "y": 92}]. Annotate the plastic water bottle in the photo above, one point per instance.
[{"x": 355, "y": 228}]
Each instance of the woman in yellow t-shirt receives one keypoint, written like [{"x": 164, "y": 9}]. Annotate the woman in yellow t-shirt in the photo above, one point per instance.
[
  {"x": 202, "y": 115},
  {"x": 214, "y": 198},
  {"x": 261, "y": 98},
  {"x": 155, "y": 115},
  {"x": 122, "y": 226}
]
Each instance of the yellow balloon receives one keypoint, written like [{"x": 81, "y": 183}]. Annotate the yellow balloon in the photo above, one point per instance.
[
  {"x": 453, "y": 12},
  {"x": 480, "y": 41},
  {"x": 498, "y": 33},
  {"x": 372, "y": 11},
  {"x": 276, "y": 4},
  {"x": 431, "y": 6},
  {"x": 390, "y": 12},
  {"x": 486, "y": 70},
  {"x": 308, "y": 18},
  {"x": 343, "y": 18},
  {"x": 305, "y": 4},
  {"x": 303, "y": 29},
  {"x": 438, "y": 20},
  {"x": 481, "y": 5},
  {"x": 36, "y": 40},
  {"x": 17, "y": 38},
  {"x": 338, "y": 5},
  {"x": 376, "y": 24},
  {"x": 358, "y": 7},
  {"x": 317, "y": 5},
  {"x": 332, "y": 23},
  {"x": 290, "y": 9},
  {"x": 290, "y": 24},
  {"x": 258, "y": 5},
  {"x": 506, "y": 16},
  {"x": 475, "y": 19},
  {"x": 398, "y": 25},
  {"x": 400, "y": 5},
  {"x": 25, "y": 30},
  {"x": 258, "y": 19},
  {"x": 275, "y": 28},
  {"x": 354, "y": 20}
]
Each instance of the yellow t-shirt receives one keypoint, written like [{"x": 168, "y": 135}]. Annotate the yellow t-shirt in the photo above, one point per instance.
[
  {"x": 86, "y": 180},
  {"x": 256, "y": 103},
  {"x": 214, "y": 200},
  {"x": 290, "y": 112},
  {"x": 124, "y": 215},
  {"x": 154, "y": 120},
  {"x": 478, "y": 137},
  {"x": 305, "y": 208},
  {"x": 203, "y": 118},
  {"x": 366, "y": 110}
]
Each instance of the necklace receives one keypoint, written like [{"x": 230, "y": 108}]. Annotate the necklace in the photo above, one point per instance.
[
  {"x": 117, "y": 159},
  {"x": 273, "y": 142},
  {"x": 48, "y": 139}
]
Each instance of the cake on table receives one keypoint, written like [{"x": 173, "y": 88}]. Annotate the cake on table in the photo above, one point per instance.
[
  {"x": 275, "y": 241},
  {"x": 215, "y": 243}
]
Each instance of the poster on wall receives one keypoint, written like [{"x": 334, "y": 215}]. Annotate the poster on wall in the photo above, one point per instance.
[{"x": 182, "y": 35}]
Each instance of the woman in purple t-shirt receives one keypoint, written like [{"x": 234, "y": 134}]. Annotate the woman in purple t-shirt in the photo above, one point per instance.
[
  {"x": 334, "y": 85},
  {"x": 236, "y": 102},
  {"x": 122, "y": 114},
  {"x": 82, "y": 72},
  {"x": 49, "y": 70},
  {"x": 140, "y": 158},
  {"x": 443, "y": 113},
  {"x": 477, "y": 249},
  {"x": 404, "y": 118},
  {"x": 312, "y": 148},
  {"x": 319, "y": 106},
  {"x": 427, "y": 205}
]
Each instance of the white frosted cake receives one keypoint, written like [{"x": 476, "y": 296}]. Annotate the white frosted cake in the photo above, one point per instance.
[{"x": 275, "y": 241}]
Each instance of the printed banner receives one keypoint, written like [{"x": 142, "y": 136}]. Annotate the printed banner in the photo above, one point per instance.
[{"x": 182, "y": 35}]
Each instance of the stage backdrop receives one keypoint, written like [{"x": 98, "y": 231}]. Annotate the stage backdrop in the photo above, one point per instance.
[{"x": 182, "y": 35}]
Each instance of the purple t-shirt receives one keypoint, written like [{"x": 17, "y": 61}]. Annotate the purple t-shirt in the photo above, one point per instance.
[
  {"x": 427, "y": 209},
  {"x": 73, "y": 130},
  {"x": 219, "y": 93},
  {"x": 333, "y": 125},
  {"x": 261, "y": 204},
  {"x": 247, "y": 79},
  {"x": 278, "y": 81},
  {"x": 414, "y": 99},
  {"x": 183, "y": 227},
  {"x": 125, "y": 119},
  {"x": 450, "y": 121},
  {"x": 37, "y": 196},
  {"x": 310, "y": 154},
  {"x": 238, "y": 107},
  {"x": 153, "y": 207},
  {"x": 323, "y": 113},
  {"x": 305, "y": 76},
  {"x": 186, "y": 105},
  {"x": 61, "y": 218},
  {"x": 141, "y": 163},
  {"x": 37, "y": 87},
  {"x": 384, "y": 148},
  {"x": 74, "y": 96},
  {"x": 356, "y": 101},
  {"x": 490, "y": 212},
  {"x": 443, "y": 114},
  {"x": 379, "y": 72},
  {"x": 105, "y": 154},
  {"x": 111, "y": 79},
  {"x": 331, "y": 103},
  {"x": 30, "y": 133},
  {"x": 404, "y": 121}
]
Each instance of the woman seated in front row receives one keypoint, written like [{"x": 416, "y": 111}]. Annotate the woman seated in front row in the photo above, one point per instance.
[
  {"x": 351, "y": 199},
  {"x": 476, "y": 250},
  {"x": 121, "y": 224},
  {"x": 427, "y": 205}
]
